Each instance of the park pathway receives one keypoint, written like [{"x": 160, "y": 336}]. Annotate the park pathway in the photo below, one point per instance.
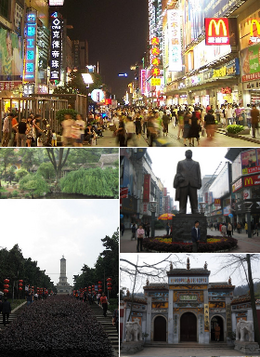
[{"x": 106, "y": 323}]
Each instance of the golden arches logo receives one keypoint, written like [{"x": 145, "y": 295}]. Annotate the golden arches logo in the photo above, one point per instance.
[
  {"x": 217, "y": 24},
  {"x": 249, "y": 181},
  {"x": 256, "y": 22}
]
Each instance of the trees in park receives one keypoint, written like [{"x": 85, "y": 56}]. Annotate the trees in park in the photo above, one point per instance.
[
  {"x": 14, "y": 267},
  {"x": 106, "y": 266}
]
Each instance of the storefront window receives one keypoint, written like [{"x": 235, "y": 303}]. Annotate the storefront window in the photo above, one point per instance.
[{"x": 256, "y": 191}]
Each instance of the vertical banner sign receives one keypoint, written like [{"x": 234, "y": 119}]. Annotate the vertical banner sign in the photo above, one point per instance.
[
  {"x": 217, "y": 31},
  {"x": 30, "y": 46},
  {"x": 174, "y": 36},
  {"x": 56, "y": 46},
  {"x": 206, "y": 317},
  {"x": 229, "y": 321},
  {"x": 143, "y": 81},
  {"x": 155, "y": 58},
  {"x": 147, "y": 183}
]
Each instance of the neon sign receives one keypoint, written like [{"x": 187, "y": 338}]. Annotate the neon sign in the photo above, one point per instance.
[
  {"x": 217, "y": 31},
  {"x": 155, "y": 61},
  {"x": 30, "y": 46},
  {"x": 56, "y": 46}
]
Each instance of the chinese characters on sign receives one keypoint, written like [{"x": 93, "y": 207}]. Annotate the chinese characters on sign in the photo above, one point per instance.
[
  {"x": 30, "y": 45},
  {"x": 174, "y": 34},
  {"x": 56, "y": 46},
  {"x": 206, "y": 317},
  {"x": 217, "y": 31},
  {"x": 155, "y": 58}
]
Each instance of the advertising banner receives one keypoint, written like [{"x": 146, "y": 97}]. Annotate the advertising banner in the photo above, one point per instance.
[
  {"x": 206, "y": 317},
  {"x": 250, "y": 161},
  {"x": 249, "y": 32},
  {"x": 56, "y": 46},
  {"x": 174, "y": 38},
  {"x": 250, "y": 63},
  {"x": 11, "y": 58},
  {"x": 147, "y": 185},
  {"x": 237, "y": 185}
]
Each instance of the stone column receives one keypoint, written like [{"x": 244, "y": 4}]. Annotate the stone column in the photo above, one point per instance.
[
  {"x": 170, "y": 318},
  {"x": 149, "y": 318}
]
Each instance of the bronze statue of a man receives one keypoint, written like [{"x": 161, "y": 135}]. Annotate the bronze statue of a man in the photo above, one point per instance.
[{"x": 186, "y": 182}]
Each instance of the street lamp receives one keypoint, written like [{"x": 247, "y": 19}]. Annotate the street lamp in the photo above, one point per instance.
[{"x": 87, "y": 79}]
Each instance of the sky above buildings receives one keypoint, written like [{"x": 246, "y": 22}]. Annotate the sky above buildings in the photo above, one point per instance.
[
  {"x": 164, "y": 162},
  {"x": 116, "y": 32},
  {"x": 214, "y": 261},
  {"x": 47, "y": 229}
]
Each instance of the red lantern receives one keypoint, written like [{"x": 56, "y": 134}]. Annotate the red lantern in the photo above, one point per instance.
[
  {"x": 109, "y": 284},
  {"x": 99, "y": 282},
  {"x": 6, "y": 291},
  {"x": 109, "y": 288},
  {"x": 20, "y": 281},
  {"x": 6, "y": 281},
  {"x": 109, "y": 279},
  {"x": 20, "y": 288},
  {"x": 6, "y": 286},
  {"x": 100, "y": 290}
]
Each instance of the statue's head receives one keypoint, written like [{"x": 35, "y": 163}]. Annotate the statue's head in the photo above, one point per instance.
[{"x": 188, "y": 154}]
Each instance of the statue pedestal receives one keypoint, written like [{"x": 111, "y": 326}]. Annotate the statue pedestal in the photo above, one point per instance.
[
  {"x": 132, "y": 347},
  {"x": 182, "y": 225},
  {"x": 247, "y": 347}
]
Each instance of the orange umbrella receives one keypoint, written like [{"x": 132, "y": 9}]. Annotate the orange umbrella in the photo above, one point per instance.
[{"x": 166, "y": 216}]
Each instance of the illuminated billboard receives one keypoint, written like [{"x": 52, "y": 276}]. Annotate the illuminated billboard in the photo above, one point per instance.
[
  {"x": 30, "y": 46},
  {"x": 217, "y": 31},
  {"x": 250, "y": 63},
  {"x": 56, "y": 2},
  {"x": 56, "y": 46},
  {"x": 174, "y": 38},
  {"x": 11, "y": 59}
]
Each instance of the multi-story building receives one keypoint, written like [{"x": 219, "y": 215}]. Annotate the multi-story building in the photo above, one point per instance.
[{"x": 146, "y": 193}]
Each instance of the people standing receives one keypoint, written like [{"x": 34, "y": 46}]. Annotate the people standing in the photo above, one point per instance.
[
  {"x": 209, "y": 124},
  {"x": 217, "y": 332},
  {"x": 255, "y": 120},
  {"x": 195, "y": 236},
  {"x": 103, "y": 302},
  {"x": 223, "y": 230},
  {"x": 167, "y": 228},
  {"x": 7, "y": 128},
  {"x": 140, "y": 237},
  {"x": 67, "y": 125},
  {"x": 133, "y": 228},
  {"x": 6, "y": 310},
  {"x": 229, "y": 229}
]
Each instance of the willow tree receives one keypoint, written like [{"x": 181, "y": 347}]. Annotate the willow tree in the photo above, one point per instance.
[{"x": 58, "y": 158}]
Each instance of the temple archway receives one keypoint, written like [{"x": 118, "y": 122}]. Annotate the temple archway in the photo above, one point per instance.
[
  {"x": 214, "y": 321},
  {"x": 159, "y": 328}
]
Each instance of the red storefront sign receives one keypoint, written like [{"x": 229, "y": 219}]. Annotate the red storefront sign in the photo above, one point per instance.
[
  {"x": 147, "y": 184},
  {"x": 251, "y": 180},
  {"x": 124, "y": 192},
  {"x": 237, "y": 185},
  {"x": 9, "y": 85},
  {"x": 217, "y": 31}
]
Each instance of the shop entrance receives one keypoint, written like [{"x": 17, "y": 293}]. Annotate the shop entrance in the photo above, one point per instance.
[
  {"x": 159, "y": 329},
  {"x": 188, "y": 327},
  {"x": 217, "y": 320}
]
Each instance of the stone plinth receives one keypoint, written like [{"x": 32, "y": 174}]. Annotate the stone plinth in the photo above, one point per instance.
[
  {"x": 132, "y": 347},
  {"x": 247, "y": 347},
  {"x": 182, "y": 225}
]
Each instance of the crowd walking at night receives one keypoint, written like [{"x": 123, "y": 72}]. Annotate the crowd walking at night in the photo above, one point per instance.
[{"x": 128, "y": 125}]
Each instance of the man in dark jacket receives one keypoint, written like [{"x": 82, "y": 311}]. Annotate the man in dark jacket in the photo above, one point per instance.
[
  {"x": 195, "y": 236},
  {"x": 6, "y": 310}
]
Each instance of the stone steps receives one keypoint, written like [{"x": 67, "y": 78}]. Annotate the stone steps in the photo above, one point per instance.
[
  {"x": 106, "y": 323},
  {"x": 217, "y": 346}
]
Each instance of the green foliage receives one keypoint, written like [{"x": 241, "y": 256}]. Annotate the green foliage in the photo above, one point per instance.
[
  {"x": 107, "y": 263},
  {"x": 35, "y": 184},
  {"x": 234, "y": 129},
  {"x": 46, "y": 170},
  {"x": 14, "y": 267},
  {"x": 19, "y": 174},
  {"x": 60, "y": 115},
  {"x": 15, "y": 193},
  {"x": 91, "y": 182}
]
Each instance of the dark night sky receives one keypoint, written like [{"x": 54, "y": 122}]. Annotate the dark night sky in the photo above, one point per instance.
[{"x": 116, "y": 31}]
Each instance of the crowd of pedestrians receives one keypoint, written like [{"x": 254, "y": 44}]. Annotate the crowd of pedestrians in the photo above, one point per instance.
[{"x": 129, "y": 124}]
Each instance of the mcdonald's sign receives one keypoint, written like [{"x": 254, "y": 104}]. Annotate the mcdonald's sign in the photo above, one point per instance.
[
  {"x": 217, "y": 31},
  {"x": 255, "y": 31},
  {"x": 217, "y": 202},
  {"x": 251, "y": 180}
]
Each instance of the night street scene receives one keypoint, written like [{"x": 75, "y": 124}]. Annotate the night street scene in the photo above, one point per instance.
[
  {"x": 59, "y": 288},
  {"x": 164, "y": 192},
  {"x": 74, "y": 74}
]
